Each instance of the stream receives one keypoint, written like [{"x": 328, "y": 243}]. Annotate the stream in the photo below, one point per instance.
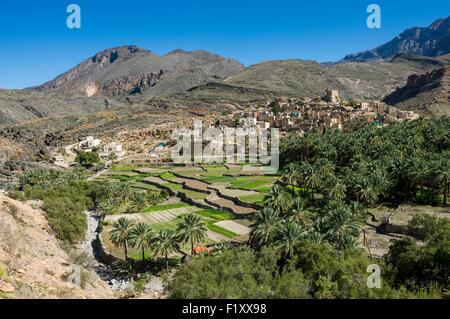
[{"x": 116, "y": 281}]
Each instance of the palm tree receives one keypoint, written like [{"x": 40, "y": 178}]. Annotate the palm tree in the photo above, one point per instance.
[
  {"x": 349, "y": 242},
  {"x": 307, "y": 142},
  {"x": 326, "y": 168},
  {"x": 335, "y": 189},
  {"x": 315, "y": 237},
  {"x": 418, "y": 172},
  {"x": 277, "y": 199},
  {"x": 138, "y": 202},
  {"x": 291, "y": 176},
  {"x": 300, "y": 214},
  {"x": 443, "y": 177},
  {"x": 104, "y": 207},
  {"x": 121, "y": 233},
  {"x": 266, "y": 227},
  {"x": 290, "y": 236},
  {"x": 141, "y": 237},
  {"x": 122, "y": 191},
  {"x": 339, "y": 222},
  {"x": 358, "y": 211},
  {"x": 366, "y": 192},
  {"x": 165, "y": 242},
  {"x": 192, "y": 229},
  {"x": 382, "y": 182},
  {"x": 312, "y": 178}
]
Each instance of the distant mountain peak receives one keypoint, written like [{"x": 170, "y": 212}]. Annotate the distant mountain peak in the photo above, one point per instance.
[
  {"x": 123, "y": 52},
  {"x": 131, "y": 70},
  {"x": 431, "y": 41}
]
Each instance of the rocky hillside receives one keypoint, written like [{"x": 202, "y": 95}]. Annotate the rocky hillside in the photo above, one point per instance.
[
  {"x": 130, "y": 70},
  {"x": 430, "y": 41},
  {"x": 32, "y": 264},
  {"x": 370, "y": 80},
  {"x": 428, "y": 93},
  {"x": 24, "y": 105}
]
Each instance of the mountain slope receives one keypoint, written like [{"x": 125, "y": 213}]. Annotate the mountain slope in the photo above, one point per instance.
[
  {"x": 428, "y": 93},
  {"x": 371, "y": 80},
  {"x": 18, "y": 106},
  {"x": 130, "y": 70},
  {"x": 32, "y": 264},
  {"x": 431, "y": 41}
]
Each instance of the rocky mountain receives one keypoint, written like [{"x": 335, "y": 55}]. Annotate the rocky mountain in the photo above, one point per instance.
[
  {"x": 132, "y": 71},
  {"x": 128, "y": 78},
  {"x": 428, "y": 93},
  {"x": 430, "y": 41},
  {"x": 369, "y": 80}
]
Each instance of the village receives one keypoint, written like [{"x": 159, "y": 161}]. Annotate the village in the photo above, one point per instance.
[
  {"x": 318, "y": 114},
  {"x": 286, "y": 114}
]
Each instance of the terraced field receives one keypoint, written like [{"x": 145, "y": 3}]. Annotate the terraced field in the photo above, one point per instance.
[
  {"x": 226, "y": 196},
  {"x": 152, "y": 218}
]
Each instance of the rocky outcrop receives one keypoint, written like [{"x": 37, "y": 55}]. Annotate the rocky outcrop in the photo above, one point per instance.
[
  {"x": 129, "y": 85},
  {"x": 427, "y": 92}
]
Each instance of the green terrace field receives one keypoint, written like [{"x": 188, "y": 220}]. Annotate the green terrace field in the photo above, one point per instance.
[{"x": 196, "y": 188}]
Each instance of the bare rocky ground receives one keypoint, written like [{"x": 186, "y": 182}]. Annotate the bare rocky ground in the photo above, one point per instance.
[
  {"x": 32, "y": 263},
  {"x": 389, "y": 224}
]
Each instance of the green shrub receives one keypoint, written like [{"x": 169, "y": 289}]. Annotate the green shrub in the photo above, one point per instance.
[{"x": 65, "y": 206}]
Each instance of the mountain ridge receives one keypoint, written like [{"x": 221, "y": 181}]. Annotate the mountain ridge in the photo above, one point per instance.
[
  {"x": 129, "y": 70},
  {"x": 432, "y": 41}
]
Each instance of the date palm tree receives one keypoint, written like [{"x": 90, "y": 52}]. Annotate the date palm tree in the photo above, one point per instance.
[
  {"x": 138, "y": 202},
  {"x": 290, "y": 236},
  {"x": 335, "y": 189},
  {"x": 141, "y": 237},
  {"x": 312, "y": 178},
  {"x": 120, "y": 235},
  {"x": 165, "y": 242},
  {"x": 339, "y": 222},
  {"x": 349, "y": 242},
  {"x": 192, "y": 229},
  {"x": 291, "y": 176},
  {"x": 266, "y": 227},
  {"x": 278, "y": 200},
  {"x": 300, "y": 214},
  {"x": 443, "y": 177},
  {"x": 365, "y": 191}
]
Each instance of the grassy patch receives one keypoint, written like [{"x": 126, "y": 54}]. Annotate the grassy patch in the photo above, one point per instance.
[
  {"x": 167, "y": 175},
  {"x": 123, "y": 168},
  {"x": 254, "y": 182},
  {"x": 253, "y": 199},
  {"x": 215, "y": 214},
  {"x": 221, "y": 231}
]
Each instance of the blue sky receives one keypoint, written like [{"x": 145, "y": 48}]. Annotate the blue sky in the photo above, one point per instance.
[{"x": 36, "y": 45}]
